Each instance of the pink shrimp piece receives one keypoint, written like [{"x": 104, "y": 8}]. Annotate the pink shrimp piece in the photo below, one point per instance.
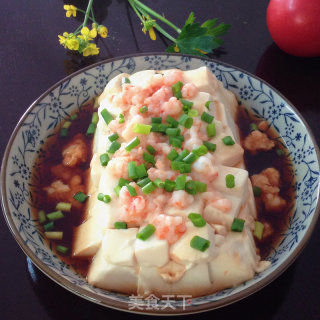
[
  {"x": 172, "y": 77},
  {"x": 115, "y": 126},
  {"x": 133, "y": 209},
  {"x": 223, "y": 205},
  {"x": 156, "y": 81},
  {"x": 155, "y": 102},
  {"x": 169, "y": 228},
  {"x": 75, "y": 152},
  {"x": 128, "y": 133},
  {"x": 173, "y": 107},
  {"x": 181, "y": 199},
  {"x": 189, "y": 91},
  {"x": 204, "y": 169}
]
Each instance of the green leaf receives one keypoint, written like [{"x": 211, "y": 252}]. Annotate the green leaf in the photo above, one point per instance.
[{"x": 190, "y": 19}]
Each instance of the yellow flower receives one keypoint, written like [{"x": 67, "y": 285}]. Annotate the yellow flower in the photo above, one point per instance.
[
  {"x": 148, "y": 25},
  {"x": 103, "y": 31},
  {"x": 62, "y": 40},
  {"x": 91, "y": 49},
  {"x": 72, "y": 44},
  {"x": 71, "y": 10},
  {"x": 176, "y": 48},
  {"x": 90, "y": 34}
]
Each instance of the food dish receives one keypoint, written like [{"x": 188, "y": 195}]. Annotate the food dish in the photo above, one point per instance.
[{"x": 76, "y": 90}]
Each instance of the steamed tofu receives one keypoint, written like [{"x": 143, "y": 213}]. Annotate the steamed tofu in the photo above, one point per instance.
[{"x": 196, "y": 206}]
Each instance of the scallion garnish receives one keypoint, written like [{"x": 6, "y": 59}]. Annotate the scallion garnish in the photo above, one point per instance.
[
  {"x": 173, "y": 154},
  {"x": 148, "y": 188},
  {"x": 123, "y": 182},
  {"x": 64, "y": 206},
  {"x": 182, "y": 155},
  {"x": 186, "y": 121},
  {"x": 132, "y": 144},
  {"x": 201, "y": 186},
  {"x": 132, "y": 190},
  {"x": 115, "y": 145},
  {"x": 210, "y": 146},
  {"x": 184, "y": 167},
  {"x": 211, "y": 130},
  {"x": 173, "y": 122},
  {"x": 56, "y": 215},
  {"x": 256, "y": 191},
  {"x": 104, "y": 159},
  {"x": 62, "y": 249},
  {"x": 95, "y": 118},
  {"x": 143, "y": 182},
  {"x": 142, "y": 128},
  {"x": 146, "y": 232},
  {"x": 230, "y": 181},
  {"x": 42, "y": 216},
  {"x": 191, "y": 187},
  {"x": 175, "y": 142},
  {"x": 91, "y": 129},
  {"x": 206, "y": 117},
  {"x": 186, "y": 103},
  {"x": 113, "y": 137},
  {"x": 207, "y": 104},
  {"x": 74, "y": 117},
  {"x": 181, "y": 182},
  {"x": 237, "y": 225},
  {"x": 193, "y": 113},
  {"x": 197, "y": 220},
  {"x": 280, "y": 152},
  {"x": 176, "y": 89},
  {"x": 126, "y": 80},
  {"x": 107, "y": 116},
  {"x": 151, "y": 149},
  {"x": 200, "y": 151},
  {"x": 121, "y": 118},
  {"x": 190, "y": 158},
  {"x": 169, "y": 185},
  {"x": 158, "y": 182},
  {"x": 104, "y": 197},
  {"x": 258, "y": 229},
  {"x": 132, "y": 165},
  {"x": 156, "y": 120},
  {"x": 199, "y": 243},
  {"x": 228, "y": 141},
  {"x": 143, "y": 109},
  {"x": 48, "y": 226},
  {"x": 173, "y": 132},
  {"x": 116, "y": 190},
  {"x": 253, "y": 127},
  {"x": 80, "y": 197},
  {"x": 141, "y": 171},
  {"x": 159, "y": 127},
  {"x": 63, "y": 132},
  {"x": 120, "y": 225},
  {"x": 54, "y": 235},
  {"x": 67, "y": 124},
  {"x": 149, "y": 158}
]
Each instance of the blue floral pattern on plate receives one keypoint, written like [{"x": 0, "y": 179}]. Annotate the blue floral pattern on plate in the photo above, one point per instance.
[{"x": 68, "y": 95}]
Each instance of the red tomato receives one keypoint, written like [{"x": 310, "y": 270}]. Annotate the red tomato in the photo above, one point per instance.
[{"x": 294, "y": 26}]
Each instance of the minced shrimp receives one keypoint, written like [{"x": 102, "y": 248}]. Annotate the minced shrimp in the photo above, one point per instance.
[
  {"x": 172, "y": 77},
  {"x": 75, "y": 152},
  {"x": 181, "y": 199},
  {"x": 189, "y": 91}
]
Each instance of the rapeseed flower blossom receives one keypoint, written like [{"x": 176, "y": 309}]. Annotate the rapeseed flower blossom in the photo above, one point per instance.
[
  {"x": 70, "y": 10},
  {"x": 148, "y": 26},
  {"x": 103, "y": 31},
  {"x": 90, "y": 50}
]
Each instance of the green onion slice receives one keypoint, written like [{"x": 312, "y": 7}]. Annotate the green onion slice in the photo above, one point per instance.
[
  {"x": 113, "y": 137},
  {"x": 169, "y": 185},
  {"x": 206, "y": 117},
  {"x": 256, "y": 191},
  {"x": 146, "y": 232},
  {"x": 42, "y": 216},
  {"x": 156, "y": 120},
  {"x": 56, "y": 215},
  {"x": 54, "y": 235},
  {"x": 200, "y": 151},
  {"x": 104, "y": 159},
  {"x": 173, "y": 154},
  {"x": 237, "y": 225},
  {"x": 132, "y": 144},
  {"x": 62, "y": 249},
  {"x": 258, "y": 229},
  {"x": 143, "y": 182},
  {"x": 230, "y": 181},
  {"x": 228, "y": 141},
  {"x": 151, "y": 149},
  {"x": 191, "y": 187},
  {"x": 143, "y": 109},
  {"x": 120, "y": 225},
  {"x": 211, "y": 130},
  {"x": 91, "y": 129},
  {"x": 142, "y": 128},
  {"x": 197, "y": 220},
  {"x": 107, "y": 116},
  {"x": 80, "y": 197},
  {"x": 132, "y": 190},
  {"x": 173, "y": 122},
  {"x": 186, "y": 121},
  {"x": 199, "y": 243},
  {"x": 149, "y": 187},
  {"x": 210, "y": 146},
  {"x": 149, "y": 158},
  {"x": 115, "y": 145},
  {"x": 176, "y": 89},
  {"x": 64, "y": 206},
  {"x": 181, "y": 182}
]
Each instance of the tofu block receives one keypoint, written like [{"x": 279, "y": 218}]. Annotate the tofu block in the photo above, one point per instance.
[
  {"x": 118, "y": 246},
  {"x": 200, "y": 100},
  {"x": 112, "y": 277},
  {"x": 196, "y": 206},
  {"x": 181, "y": 251},
  {"x": 151, "y": 252}
]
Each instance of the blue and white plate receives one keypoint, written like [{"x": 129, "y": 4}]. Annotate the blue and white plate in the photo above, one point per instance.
[{"x": 69, "y": 94}]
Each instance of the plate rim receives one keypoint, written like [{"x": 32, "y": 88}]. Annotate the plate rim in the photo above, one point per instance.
[{"x": 122, "y": 306}]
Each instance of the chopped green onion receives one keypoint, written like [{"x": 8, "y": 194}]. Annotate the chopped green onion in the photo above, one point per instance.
[
  {"x": 63, "y": 132},
  {"x": 80, "y": 197},
  {"x": 143, "y": 109},
  {"x": 74, "y": 117},
  {"x": 211, "y": 130},
  {"x": 123, "y": 182},
  {"x": 132, "y": 144},
  {"x": 115, "y": 145},
  {"x": 207, "y": 104},
  {"x": 126, "y": 80},
  {"x": 62, "y": 249},
  {"x": 175, "y": 142},
  {"x": 169, "y": 185},
  {"x": 190, "y": 158},
  {"x": 172, "y": 132},
  {"x": 182, "y": 155},
  {"x": 159, "y": 127},
  {"x": 146, "y": 232},
  {"x": 199, "y": 243},
  {"x": 151, "y": 149},
  {"x": 96, "y": 103},
  {"x": 141, "y": 128},
  {"x": 42, "y": 216},
  {"x": 173, "y": 154},
  {"x": 54, "y": 235},
  {"x": 186, "y": 103},
  {"x": 107, "y": 116},
  {"x": 121, "y": 118},
  {"x": 120, "y": 225},
  {"x": 113, "y": 137},
  {"x": 104, "y": 197},
  {"x": 280, "y": 152},
  {"x": 184, "y": 167},
  {"x": 253, "y": 127},
  {"x": 132, "y": 165},
  {"x": 158, "y": 182},
  {"x": 191, "y": 187},
  {"x": 67, "y": 124},
  {"x": 181, "y": 182},
  {"x": 64, "y": 206},
  {"x": 117, "y": 190},
  {"x": 201, "y": 186},
  {"x": 258, "y": 229},
  {"x": 104, "y": 159},
  {"x": 141, "y": 171},
  {"x": 200, "y": 151},
  {"x": 132, "y": 190},
  {"x": 143, "y": 182},
  {"x": 148, "y": 188},
  {"x": 193, "y": 113},
  {"x": 228, "y": 141},
  {"x": 186, "y": 121},
  {"x": 197, "y": 220},
  {"x": 176, "y": 89},
  {"x": 149, "y": 158},
  {"x": 237, "y": 225},
  {"x": 91, "y": 129},
  {"x": 95, "y": 118},
  {"x": 256, "y": 191},
  {"x": 48, "y": 226},
  {"x": 56, "y": 215},
  {"x": 206, "y": 117},
  {"x": 181, "y": 138},
  {"x": 173, "y": 122},
  {"x": 175, "y": 165},
  {"x": 156, "y": 120},
  {"x": 210, "y": 146},
  {"x": 230, "y": 181}
]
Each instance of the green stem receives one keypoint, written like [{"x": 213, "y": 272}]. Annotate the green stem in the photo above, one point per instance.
[
  {"x": 86, "y": 17},
  {"x": 136, "y": 10},
  {"x": 84, "y": 12},
  {"x": 155, "y": 14}
]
